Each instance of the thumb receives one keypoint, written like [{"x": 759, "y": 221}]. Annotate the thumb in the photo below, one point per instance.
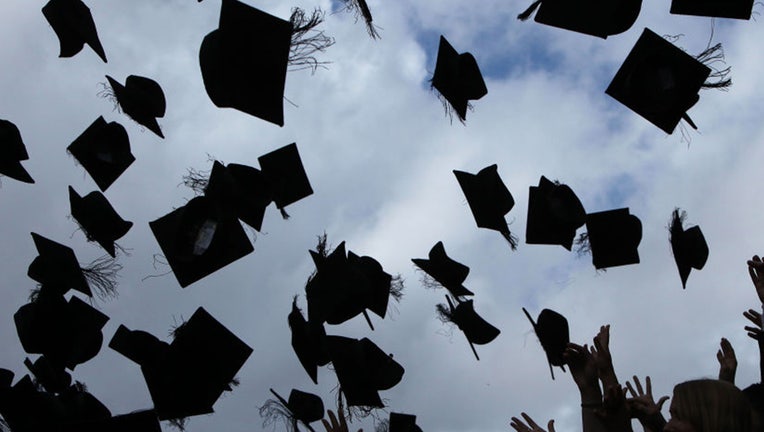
[
  {"x": 661, "y": 401},
  {"x": 550, "y": 426}
]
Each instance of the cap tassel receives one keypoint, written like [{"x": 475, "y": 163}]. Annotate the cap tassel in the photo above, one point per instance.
[
  {"x": 366, "y": 13},
  {"x": 284, "y": 214},
  {"x": 511, "y": 239},
  {"x": 396, "y": 288},
  {"x": 675, "y": 227},
  {"x": 528, "y": 12},
  {"x": 583, "y": 247},
  {"x": 179, "y": 423},
  {"x": 275, "y": 410},
  {"x": 719, "y": 78},
  {"x": 306, "y": 40},
  {"x": 196, "y": 180},
  {"x": 101, "y": 275}
]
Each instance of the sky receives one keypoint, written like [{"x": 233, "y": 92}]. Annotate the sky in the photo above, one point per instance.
[{"x": 379, "y": 153}]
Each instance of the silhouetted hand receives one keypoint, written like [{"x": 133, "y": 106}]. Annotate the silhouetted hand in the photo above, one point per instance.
[
  {"x": 754, "y": 332},
  {"x": 584, "y": 373},
  {"x": 336, "y": 426},
  {"x": 643, "y": 407},
  {"x": 531, "y": 426},
  {"x": 603, "y": 359},
  {"x": 756, "y": 270},
  {"x": 614, "y": 413},
  {"x": 727, "y": 362}
]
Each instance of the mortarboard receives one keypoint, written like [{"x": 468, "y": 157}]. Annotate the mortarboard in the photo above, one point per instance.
[
  {"x": 688, "y": 246},
  {"x": 98, "y": 219},
  {"x": 552, "y": 331},
  {"x": 402, "y": 423},
  {"x": 447, "y": 272},
  {"x": 308, "y": 342},
  {"x": 103, "y": 149},
  {"x": 286, "y": 176},
  {"x": 56, "y": 265},
  {"x": 739, "y": 9},
  {"x": 53, "y": 378},
  {"x": 613, "y": 236},
  {"x": 242, "y": 189},
  {"x": 601, "y": 18},
  {"x": 477, "y": 330},
  {"x": 489, "y": 199},
  {"x": 659, "y": 81},
  {"x": 74, "y": 26},
  {"x": 554, "y": 214},
  {"x": 302, "y": 406},
  {"x": 12, "y": 152},
  {"x": 244, "y": 61},
  {"x": 200, "y": 238},
  {"x": 142, "y": 99},
  {"x": 457, "y": 78}
]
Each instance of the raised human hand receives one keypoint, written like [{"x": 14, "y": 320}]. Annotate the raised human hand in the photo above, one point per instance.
[
  {"x": 754, "y": 332},
  {"x": 531, "y": 426},
  {"x": 756, "y": 270},
  {"x": 614, "y": 413},
  {"x": 333, "y": 425},
  {"x": 602, "y": 357},
  {"x": 727, "y": 362},
  {"x": 642, "y": 405},
  {"x": 583, "y": 369}
]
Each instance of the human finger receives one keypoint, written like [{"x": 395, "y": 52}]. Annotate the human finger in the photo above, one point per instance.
[
  {"x": 518, "y": 425},
  {"x": 550, "y": 426},
  {"x": 326, "y": 425},
  {"x": 630, "y": 389},
  {"x": 333, "y": 419},
  {"x": 530, "y": 421},
  {"x": 720, "y": 357},
  {"x": 649, "y": 386},
  {"x": 639, "y": 386},
  {"x": 343, "y": 422},
  {"x": 661, "y": 401}
]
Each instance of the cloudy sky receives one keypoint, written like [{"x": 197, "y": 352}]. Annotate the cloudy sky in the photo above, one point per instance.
[{"x": 380, "y": 153}]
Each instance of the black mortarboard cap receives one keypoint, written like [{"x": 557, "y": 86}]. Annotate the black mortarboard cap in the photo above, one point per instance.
[
  {"x": 304, "y": 406},
  {"x": 142, "y": 99},
  {"x": 554, "y": 214},
  {"x": 447, "y": 272},
  {"x": 477, "y": 330},
  {"x": 740, "y": 9},
  {"x": 688, "y": 246},
  {"x": 286, "y": 175},
  {"x": 244, "y": 61},
  {"x": 308, "y": 342},
  {"x": 403, "y": 423},
  {"x": 552, "y": 331},
  {"x": 613, "y": 236},
  {"x": 200, "y": 363},
  {"x": 457, "y": 77},
  {"x": 200, "y": 238},
  {"x": 601, "y": 18},
  {"x": 376, "y": 279},
  {"x": 53, "y": 378},
  {"x": 56, "y": 265},
  {"x": 74, "y": 26},
  {"x": 103, "y": 149},
  {"x": 12, "y": 152},
  {"x": 241, "y": 188},
  {"x": 489, "y": 199},
  {"x": 98, "y": 219},
  {"x": 659, "y": 81},
  {"x": 139, "y": 346}
]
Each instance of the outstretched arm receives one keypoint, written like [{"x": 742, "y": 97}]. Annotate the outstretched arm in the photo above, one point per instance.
[
  {"x": 584, "y": 372},
  {"x": 643, "y": 407}
]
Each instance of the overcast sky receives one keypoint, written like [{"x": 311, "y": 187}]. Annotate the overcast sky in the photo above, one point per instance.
[{"x": 379, "y": 153}]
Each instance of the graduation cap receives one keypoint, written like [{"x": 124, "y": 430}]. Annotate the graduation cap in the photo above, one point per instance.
[
  {"x": 613, "y": 237},
  {"x": 74, "y": 26},
  {"x": 12, "y": 152},
  {"x": 477, "y": 330},
  {"x": 56, "y": 265},
  {"x": 447, "y": 272},
  {"x": 554, "y": 214},
  {"x": 53, "y": 378},
  {"x": 739, "y": 9},
  {"x": 601, "y": 18},
  {"x": 688, "y": 246},
  {"x": 552, "y": 331},
  {"x": 142, "y": 99},
  {"x": 489, "y": 199},
  {"x": 457, "y": 78},
  {"x": 200, "y": 238},
  {"x": 402, "y": 423},
  {"x": 301, "y": 406},
  {"x": 242, "y": 188},
  {"x": 660, "y": 82},
  {"x": 363, "y": 369},
  {"x": 103, "y": 149},
  {"x": 286, "y": 176},
  {"x": 187, "y": 378},
  {"x": 244, "y": 61},
  {"x": 308, "y": 342},
  {"x": 98, "y": 219}
]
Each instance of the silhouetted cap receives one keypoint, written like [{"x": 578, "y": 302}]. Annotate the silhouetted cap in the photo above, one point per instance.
[
  {"x": 601, "y": 18},
  {"x": 199, "y": 239},
  {"x": 740, "y": 9},
  {"x": 659, "y": 81},
  {"x": 98, "y": 219},
  {"x": 244, "y": 61},
  {"x": 403, "y": 423},
  {"x": 554, "y": 214},
  {"x": 552, "y": 331},
  {"x": 286, "y": 175},
  {"x": 370, "y": 273},
  {"x": 303, "y": 406},
  {"x": 139, "y": 346},
  {"x": 74, "y": 26},
  {"x": 308, "y": 342},
  {"x": 614, "y": 236},
  {"x": 477, "y": 330},
  {"x": 104, "y": 151},
  {"x": 457, "y": 78},
  {"x": 12, "y": 152},
  {"x": 447, "y": 272},
  {"x": 53, "y": 378},
  {"x": 489, "y": 199},
  {"x": 56, "y": 265},
  {"x": 142, "y": 99},
  {"x": 362, "y": 369},
  {"x": 688, "y": 246},
  {"x": 242, "y": 188}
]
